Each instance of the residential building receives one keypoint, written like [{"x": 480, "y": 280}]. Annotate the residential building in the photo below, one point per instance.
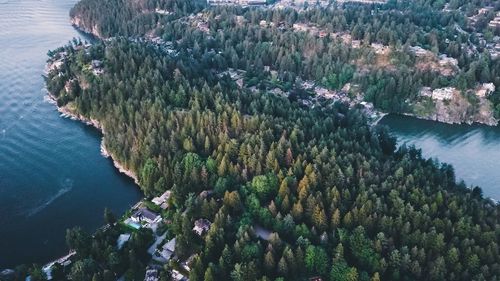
[
  {"x": 168, "y": 250},
  {"x": 485, "y": 89},
  {"x": 145, "y": 215},
  {"x": 151, "y": 275},
  {"x": 177, "y": 276},
  {"x": 96, "y": 64},
  {"x": 122, "y": 239},
  {"x": 426, "y": 92},
  {"x": 206, "y": 194},
  {"x": 162, "y": 200},
  {"x": 187, "y": 263},
  {"x": 495, "y": 23},
  {"x": 443, "y": 93},
  {"x": 201, "y": 226}
]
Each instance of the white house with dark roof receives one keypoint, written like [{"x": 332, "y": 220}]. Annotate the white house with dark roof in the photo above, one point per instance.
[{"x": 145, "y": 215}]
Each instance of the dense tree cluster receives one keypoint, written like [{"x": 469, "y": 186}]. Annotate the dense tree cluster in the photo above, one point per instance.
[
  {"x": 399, "y": 24},
  {"x": 127, "y": 18},
  {"x": 339, "y": 201}
]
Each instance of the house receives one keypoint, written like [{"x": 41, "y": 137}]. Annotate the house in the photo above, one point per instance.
[
  {"x": 495, "y": 23},
  {"x": 145, "y": 215},
  {"x": 426, "y": 92},
  {"x": 356, "y": 44},
  {"x": 98, "y": 71},
  {"x": 177, "y": 276},
  {"x": 56, "y": 65},
  {"x": 151, "y": 275},
  {"x": 367, "y": 105},
  {"x": 485, "y": 89},
  {"x": 162, "y": 199},
  {"x": 444, "y": 60},
  {"x": 301, "y": 27},
  {"x": 277, "y": 91},
  {"x": 97, "y": 67},
  {"x": 419, "y": 51},
  {"x": 490, "y": 87},
  {"x": 307, "y": 103},
  {"x": 96, "y": 64},
  {"x": 239, "y": 82},
  {"x": 122, "y": 239},
  {"x": 201, "y": 226},
  {"x": 162, "y": 12},
  {"x": 206, "y": 194},
  {"x": 187, "y": 263},
  {"x": 234, "y": 74},
  {"x": 168, "y": 250},
  {"x": 307, "y": 85},
  {"x": 203, "y": 26},
  {"x": 443, "y": 93},
  {"x": 324, "y": 92}
]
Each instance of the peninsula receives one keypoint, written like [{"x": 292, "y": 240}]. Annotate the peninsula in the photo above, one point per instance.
[{"x": 247, "y": 126}]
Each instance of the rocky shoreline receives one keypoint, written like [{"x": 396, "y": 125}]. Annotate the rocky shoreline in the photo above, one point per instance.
[
  {"x": 66, "y": 112},
  {"x": 437, "y": 118},
  {"x": 78, "y": 24}
]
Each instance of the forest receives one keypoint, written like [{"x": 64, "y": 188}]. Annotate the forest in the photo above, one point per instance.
[
  {"x": 301, "y": 55},
  {"x": 340, "y": 200}
]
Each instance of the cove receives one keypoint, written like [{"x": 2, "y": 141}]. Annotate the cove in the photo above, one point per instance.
[
  {"x": 473, "y": 150},
  {"x": 52, "y": 175}
]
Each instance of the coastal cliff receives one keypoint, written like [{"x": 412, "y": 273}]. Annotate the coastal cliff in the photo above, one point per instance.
[
  {"x": 54, "y": 64},
  {"x": 459, "y": 108},
  {"x": 81, "y": 25},
  {"x": 69, "y": 111}
]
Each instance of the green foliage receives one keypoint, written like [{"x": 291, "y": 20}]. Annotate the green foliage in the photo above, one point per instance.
[
  {"x": 362, "y": 250},
  {"x": 316, "y": 260},
  {"x": 83, "y": 270},
  {"x": 149, "y": 176},
  {"x": 339, "y": 199},
  {"x": 265, "y": 186}
]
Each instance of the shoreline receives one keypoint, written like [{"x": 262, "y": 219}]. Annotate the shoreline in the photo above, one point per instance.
[
  {"x": 380, "y": 117},
  {"x": 75, "y": 22},
  {"x": 469, "y": 123},
  {"x": 66, "y": 113}
]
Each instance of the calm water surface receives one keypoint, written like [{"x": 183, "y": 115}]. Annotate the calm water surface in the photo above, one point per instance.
[
  {"x": 52, "y": 175},
  {"x": 474, "y": 151}
]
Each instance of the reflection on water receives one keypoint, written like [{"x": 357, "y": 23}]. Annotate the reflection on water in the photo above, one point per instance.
[
  {"x": 473, "y": 150},
  {"x": 52, "y": 175}
]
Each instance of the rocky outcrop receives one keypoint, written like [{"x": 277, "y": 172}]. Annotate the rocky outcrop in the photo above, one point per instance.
[
  {"x": 80, "y": 24},
  {"x": 459, "y": 110}
]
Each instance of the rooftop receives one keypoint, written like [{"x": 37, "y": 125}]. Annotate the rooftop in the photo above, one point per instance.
[
  {"x": 122, "y": 239},
  {"x": 144, "y": 213},
  {"x": 151, "y": 275}
]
